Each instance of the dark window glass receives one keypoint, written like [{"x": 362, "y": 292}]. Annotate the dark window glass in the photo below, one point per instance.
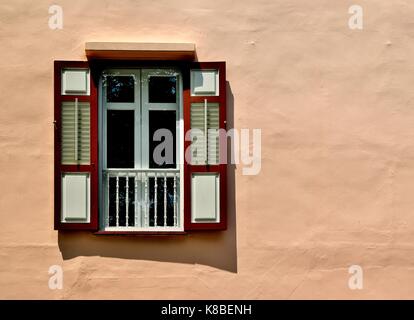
[
  {"x": 119, "y": 89},
  {"x": 162, "y": 120},
  {"x": 162, "y": 89},
  {"x": 120, "y": 139}
]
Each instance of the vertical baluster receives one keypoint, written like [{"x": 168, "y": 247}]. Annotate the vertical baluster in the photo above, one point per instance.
[
  {"x": 107, "y": 201},
  {"x": 175, "y": 200},
  {"x": 136, "y": 199},
  {"x": 146, "y": 202},
  {"x": 155, "y": 199},
  {"x": 165, "y": 199},
  {"x": 117, "y": 200},
  {"x": 126, "y": 199}
]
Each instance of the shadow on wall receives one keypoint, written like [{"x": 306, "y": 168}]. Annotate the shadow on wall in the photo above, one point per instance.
[{"x": 213, "y": 248}]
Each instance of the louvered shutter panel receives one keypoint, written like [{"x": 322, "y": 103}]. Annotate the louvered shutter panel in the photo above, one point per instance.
[
  {"x": 76, "y": 147},
  {"x": 75, "y": 134},
  {"x": 205, "y": 195}
]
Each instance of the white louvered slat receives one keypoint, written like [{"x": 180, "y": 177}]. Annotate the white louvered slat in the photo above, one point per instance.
[
  {"x": 76, "y": 131},
  {"x": 198, "y": 155},
  {"x": 205, "y": 117},
  {"x": 205, "y": 130},
  {"x": 213, "y": 134},
  {"x": 75, "y": 135}
]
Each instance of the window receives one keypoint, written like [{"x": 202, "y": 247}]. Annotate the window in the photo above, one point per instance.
[
  {"x": 139, "y": 191},
  {"x": 120, "y": 144}
]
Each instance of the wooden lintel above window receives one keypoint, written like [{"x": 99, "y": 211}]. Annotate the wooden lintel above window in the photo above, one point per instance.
[{"x": 140, "y": 51}]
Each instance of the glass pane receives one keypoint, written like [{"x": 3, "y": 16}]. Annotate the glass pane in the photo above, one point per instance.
[
  {"x": 162, "y": 89},
  {"x": 120, "y": 139},
  {"x": 120, "y": 89},
  {"x": 162, "y": 153}
]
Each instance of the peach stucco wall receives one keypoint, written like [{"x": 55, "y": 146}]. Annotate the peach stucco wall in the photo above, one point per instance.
[{"x": 336, "y": 110}]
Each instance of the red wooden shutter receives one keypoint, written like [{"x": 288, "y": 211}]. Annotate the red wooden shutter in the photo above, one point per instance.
[
  {"x": 76, "y": 146},
  {"x": 205, "y": 203}
]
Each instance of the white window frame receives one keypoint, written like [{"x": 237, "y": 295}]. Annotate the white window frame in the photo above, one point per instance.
[{"x": 141, "y": 141}]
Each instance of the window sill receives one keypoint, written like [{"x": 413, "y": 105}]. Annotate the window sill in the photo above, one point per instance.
[{"x": 140, "y": 233}]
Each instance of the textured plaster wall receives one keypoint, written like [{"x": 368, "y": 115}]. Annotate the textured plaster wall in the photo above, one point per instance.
[{"x": 337, "y": 183}]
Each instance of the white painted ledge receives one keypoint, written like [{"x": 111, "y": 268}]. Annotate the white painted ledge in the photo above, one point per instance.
[{"x": 140, "y": 51}]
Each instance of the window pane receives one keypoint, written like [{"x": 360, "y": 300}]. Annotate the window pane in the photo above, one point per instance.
[
  {"x": 119, "y": 89},
  {"x": 120, "y": 139},
  {"x": 162, "y": 153},
  {"x": 162, "y": 89}
]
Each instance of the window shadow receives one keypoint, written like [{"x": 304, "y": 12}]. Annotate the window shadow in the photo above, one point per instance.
[{"x": 217, "y": 249}]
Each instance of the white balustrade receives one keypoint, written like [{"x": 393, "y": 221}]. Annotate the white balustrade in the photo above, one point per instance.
[{"x": 147, "y": 211}]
